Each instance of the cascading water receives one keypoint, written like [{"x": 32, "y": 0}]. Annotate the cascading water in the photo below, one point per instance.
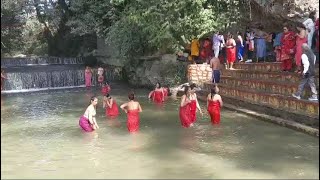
[{"x": 32, "y": 74}]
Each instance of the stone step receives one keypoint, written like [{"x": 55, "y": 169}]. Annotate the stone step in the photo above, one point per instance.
[
  {"x": 264, "y": 67},
  {"x": 268, "y": 111},
  {"x": 270, "y": 76},
  {"x": 276, "y": 101},
  {"x": 264, "y": 86}
]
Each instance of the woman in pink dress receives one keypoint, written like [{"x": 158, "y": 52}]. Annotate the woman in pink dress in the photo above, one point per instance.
[
  {"x": 214, "y": 104},
  {"x": 88, "y": 121},
  {"x": 88, "y": 76},
  {"x": 185, "y": 110},
  {"x": 111, "y": 106},
  {"x": 132, "y": 109},
  {"x": 3, "y": 77},
  {"x": 231, "y": 51},
  {"x": 288, "y": 42},
  {"x": 301, "y": 38}
]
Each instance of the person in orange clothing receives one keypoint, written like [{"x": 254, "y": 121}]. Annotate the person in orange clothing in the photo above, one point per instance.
[{"x": 195, "y": 49}]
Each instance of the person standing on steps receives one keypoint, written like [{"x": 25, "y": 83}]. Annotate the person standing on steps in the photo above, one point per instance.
[
  {"x": 288, "y": 42},
  {"x": 215, "y": 65},
  {"x": 231, "y": 51},
  {"x": 308, "y": 61},
  {"x": 310, "y": 26},
  {"x": 301, "y": 38}
]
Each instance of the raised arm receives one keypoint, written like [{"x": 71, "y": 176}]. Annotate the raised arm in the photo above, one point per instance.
[
  {"x": 184, "y": 101},
  {"x": 123, "y": 107},
  {"x": 109, "y": 103}
]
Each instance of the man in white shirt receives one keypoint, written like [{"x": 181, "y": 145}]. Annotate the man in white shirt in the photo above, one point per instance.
[
  {"x": 310, "y": 26},
  {"x": 308, "y": 61}
]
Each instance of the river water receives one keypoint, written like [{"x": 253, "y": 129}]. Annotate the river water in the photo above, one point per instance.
[{"x": 41, "y": 138}]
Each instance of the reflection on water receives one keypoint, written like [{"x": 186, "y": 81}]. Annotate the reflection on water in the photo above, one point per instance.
[{"x": 41, "y": 138}]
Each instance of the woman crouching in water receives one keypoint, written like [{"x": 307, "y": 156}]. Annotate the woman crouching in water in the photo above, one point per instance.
[
  {"x": 132, "y": 109},
  {"x": 88, "y": 121},
  {"x": 111, "y": 106},
  {"x": 214, "y": 104},
  {"x": 185, "y": 110}
]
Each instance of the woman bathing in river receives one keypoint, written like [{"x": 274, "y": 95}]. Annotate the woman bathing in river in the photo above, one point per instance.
[
  {"x": 111, "y": 106},
  {"x": 214, "y": 104},
  {"x": 132, "y": 109},
  {"x": 88, "y": 120},
  {"x": 158, "y": 94}
]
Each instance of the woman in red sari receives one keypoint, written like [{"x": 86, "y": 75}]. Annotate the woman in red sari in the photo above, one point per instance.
[
  {"x": 214, "y": 104},
  {"x": 194, "y": 105},
  {"x": 157, "y": 95},
  {"x": 231, "y": 51},
  {"x": 185, "y": 111},
  {"x": 105, "y": 88},
  {"x": 111, "y": 106},
  {"x": 288, "y": 42},
  {"x": 301, "y": 38},
  {"x": 132, "y": 109}
]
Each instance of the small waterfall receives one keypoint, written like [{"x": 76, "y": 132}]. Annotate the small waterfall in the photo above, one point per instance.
[
  {"x": 14, "y": 62},
  {"x": 30, "y": 74}
]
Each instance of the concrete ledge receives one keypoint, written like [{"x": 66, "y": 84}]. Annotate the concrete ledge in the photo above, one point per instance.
[{"x": 268, "y": 118}]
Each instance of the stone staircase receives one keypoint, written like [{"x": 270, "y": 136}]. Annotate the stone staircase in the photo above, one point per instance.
[{"x": 262, "y": 87}]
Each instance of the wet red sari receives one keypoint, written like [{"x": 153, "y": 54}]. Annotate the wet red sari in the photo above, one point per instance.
[
  {"x": 214, "y": 111},
  {"x": 133, "y": 120},
  {"x": 113, "y": 111}
]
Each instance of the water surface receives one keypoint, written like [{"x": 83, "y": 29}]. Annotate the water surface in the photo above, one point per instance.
[{"x": 41, "y": 138}]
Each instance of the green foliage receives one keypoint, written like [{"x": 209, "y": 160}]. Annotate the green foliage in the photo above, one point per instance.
[
  {"x": 11, "y": 26},
  {"x": 140, "y": 27}
]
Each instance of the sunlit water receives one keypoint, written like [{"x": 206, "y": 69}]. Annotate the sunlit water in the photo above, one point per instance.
[{"x": 41, "y": 138}]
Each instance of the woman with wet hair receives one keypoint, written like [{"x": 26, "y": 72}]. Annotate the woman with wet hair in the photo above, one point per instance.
[
  {"x": 214, "y": 104},
  {"x": 185, "y": 110},
  {"x": 157, "y": 95},
  {"x": 132, "y": 109},
  {"x": 88, "y": 120},
  {"x": 111, "y": 106}
]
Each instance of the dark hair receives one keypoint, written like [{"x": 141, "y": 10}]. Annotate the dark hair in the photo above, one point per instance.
[
  {"x": 213, "y": 91},
  {"x": 107, "y": 82},
  {"x": 186, "y": 88},
  {"x": 239, "y": 33},
  {"x": 131, "y": 96},
  {"x": 312, "y": 15},
  {"x": 301, "y": 25},
  {"x": 93, "y": 98},
  {"x": 230, "y": 35},
  {"x": 192, "y": 86},
  {"x": 159, "y": 84},
  {"x": 108, "y": 95}
]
